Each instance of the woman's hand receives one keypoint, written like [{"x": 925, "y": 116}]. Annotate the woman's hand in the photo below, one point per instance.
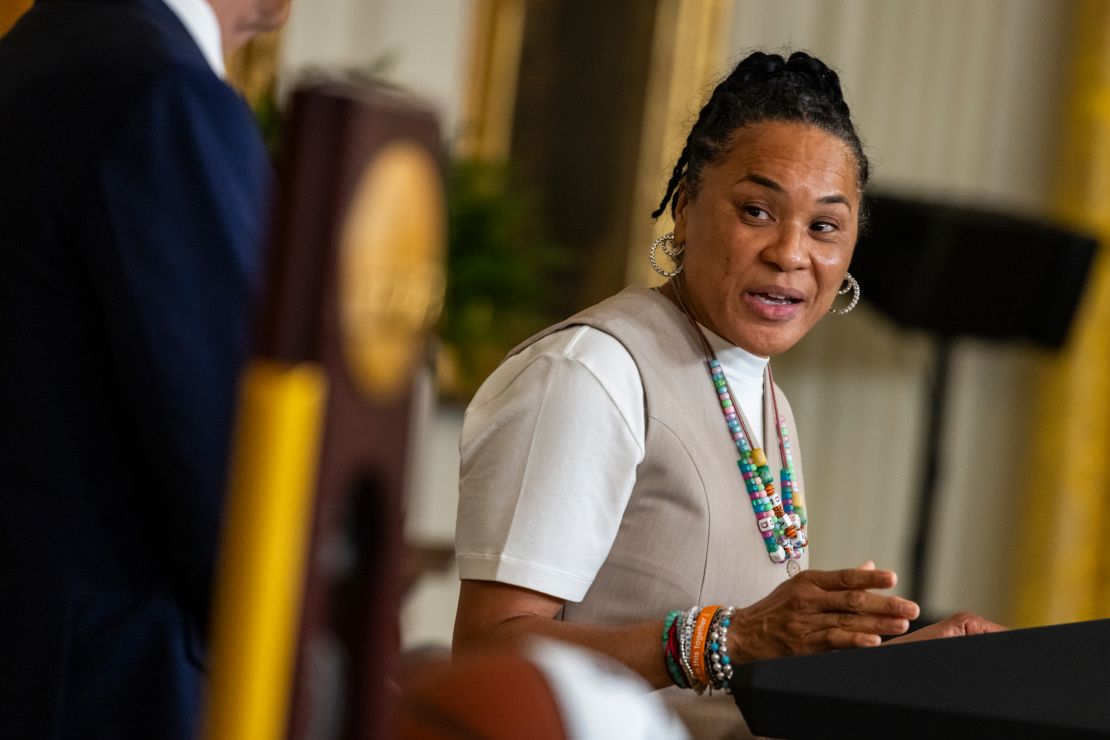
[
  {"x": 957, "y": 625},
  {"x": 820, "y": 610}
]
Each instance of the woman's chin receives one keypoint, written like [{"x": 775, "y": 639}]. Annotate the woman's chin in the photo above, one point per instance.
[
  {"x": 768, "y": 339},
  {"x": 769, "y": 335}
]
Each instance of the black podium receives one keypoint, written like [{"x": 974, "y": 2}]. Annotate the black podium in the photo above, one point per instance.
[{"x": 1048, "y": 682}]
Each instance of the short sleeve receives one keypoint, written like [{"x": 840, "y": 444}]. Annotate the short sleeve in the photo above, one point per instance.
[{"x": 549, "y": 451}]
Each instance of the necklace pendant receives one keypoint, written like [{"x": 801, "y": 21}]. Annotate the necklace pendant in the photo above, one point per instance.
[{"x": 792, "y": 568}]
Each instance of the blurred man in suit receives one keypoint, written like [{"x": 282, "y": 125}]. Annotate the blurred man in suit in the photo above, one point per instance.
[{"x": 133, "y": 190}]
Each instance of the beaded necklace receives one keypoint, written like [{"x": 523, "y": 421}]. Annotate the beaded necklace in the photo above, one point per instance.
[{"x": 781, "y": 518}]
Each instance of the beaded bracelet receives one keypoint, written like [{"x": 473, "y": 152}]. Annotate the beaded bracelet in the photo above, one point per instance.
[
  {"x": 695, "y": 648},
  {"x": 684, "y": 645},
  {"x": 676, "y": 654},
  {"x": 717, "y": 658},
  {"x": 670, "y": 648},
  {"x": 673, "y": 657}
]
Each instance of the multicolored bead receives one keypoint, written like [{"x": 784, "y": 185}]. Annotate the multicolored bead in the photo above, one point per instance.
[{"x": 780, "y": 522}]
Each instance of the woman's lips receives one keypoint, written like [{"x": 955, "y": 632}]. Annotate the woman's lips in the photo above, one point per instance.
[{"x": 773, "y": 303}]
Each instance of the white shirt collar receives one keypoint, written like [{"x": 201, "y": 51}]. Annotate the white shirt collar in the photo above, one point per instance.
[
  {"x": 745, "y": 366},
  {"x": 200, "y": 21}
]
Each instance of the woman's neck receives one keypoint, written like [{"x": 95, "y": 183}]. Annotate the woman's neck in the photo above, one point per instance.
[{"x": 674, "y": 292}]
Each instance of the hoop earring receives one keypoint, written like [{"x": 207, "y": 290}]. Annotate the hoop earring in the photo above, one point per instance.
[
  {"x": 672, "y": 250},
  {"x": 853, "y": 287}
]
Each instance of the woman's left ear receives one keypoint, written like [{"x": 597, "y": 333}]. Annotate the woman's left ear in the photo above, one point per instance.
[{"x": 681, "y": 200}]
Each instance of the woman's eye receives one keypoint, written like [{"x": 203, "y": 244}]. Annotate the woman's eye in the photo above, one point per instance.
[
  {"x": 824, "y": 227},
  {"x": 756, "y": 212}
]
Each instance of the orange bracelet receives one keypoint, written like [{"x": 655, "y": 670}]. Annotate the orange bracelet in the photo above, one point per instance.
[{"x": 697, "y": 643}]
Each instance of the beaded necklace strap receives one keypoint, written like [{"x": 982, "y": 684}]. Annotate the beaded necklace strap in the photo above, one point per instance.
[
  {"x": 779, "y": 517},
  {"x": 791, "y": 490}
]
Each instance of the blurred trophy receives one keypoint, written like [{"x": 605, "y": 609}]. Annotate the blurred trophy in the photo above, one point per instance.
[{"x": 305, "y": 632}]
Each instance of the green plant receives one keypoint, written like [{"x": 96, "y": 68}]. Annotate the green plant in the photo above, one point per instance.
[{"x": 505, "y": 275}]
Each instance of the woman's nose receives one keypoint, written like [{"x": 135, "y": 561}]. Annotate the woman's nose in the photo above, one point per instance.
[{"x": 786, "y": 250}]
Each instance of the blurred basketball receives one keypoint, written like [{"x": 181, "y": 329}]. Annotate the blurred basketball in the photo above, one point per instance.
[{"x": 489, "y": 696}]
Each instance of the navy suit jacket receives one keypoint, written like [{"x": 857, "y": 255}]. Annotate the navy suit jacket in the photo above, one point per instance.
[{"x": 133, "y": 187}]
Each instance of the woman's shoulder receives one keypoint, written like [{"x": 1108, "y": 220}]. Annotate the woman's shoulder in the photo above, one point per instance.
[
  {"x": 563, "y": 364},
  {"x": 568, "y": 351}
]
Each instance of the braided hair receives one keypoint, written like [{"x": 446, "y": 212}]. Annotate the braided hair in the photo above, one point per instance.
[{"x": 764, "y": 87}]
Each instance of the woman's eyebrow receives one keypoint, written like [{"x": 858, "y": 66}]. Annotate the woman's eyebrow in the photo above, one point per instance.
[
  {"x": 837, "y": 198},
  {"x": 761, "y": 180},
  {"x": 773, "y": 185}
]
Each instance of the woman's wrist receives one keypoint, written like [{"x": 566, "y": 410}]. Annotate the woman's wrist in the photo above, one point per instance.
[
  {"x": 740, "y": 636},
  {"x": 695, "y": 646}
]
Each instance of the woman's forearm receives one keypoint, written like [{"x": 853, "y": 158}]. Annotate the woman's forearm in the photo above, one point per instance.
[{"x": 496, "y": 614}]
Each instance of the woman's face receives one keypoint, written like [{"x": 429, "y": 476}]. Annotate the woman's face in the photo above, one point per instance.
[{"x": 769, "y": 234}]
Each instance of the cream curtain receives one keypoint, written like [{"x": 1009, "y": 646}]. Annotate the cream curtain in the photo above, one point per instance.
[
  {"x": 959, "y": 101},
  {"x": 1063, "y": 564}
]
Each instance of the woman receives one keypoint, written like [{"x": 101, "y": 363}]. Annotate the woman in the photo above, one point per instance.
[{"x": 600, "y": 496}]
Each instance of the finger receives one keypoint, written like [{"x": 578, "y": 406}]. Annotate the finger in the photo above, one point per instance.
[
  {"x": 983, "y": 626},
  {"x": 865, "y": 623},
  {"x": 968, "y": 623},
  {"x": 852, "y": 578},
  {"x": 837, "y": 639},
  {"x": 865, "y": 602}
]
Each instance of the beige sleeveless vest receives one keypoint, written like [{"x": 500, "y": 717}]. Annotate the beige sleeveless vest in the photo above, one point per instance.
[{"x": 688, "y": 535}]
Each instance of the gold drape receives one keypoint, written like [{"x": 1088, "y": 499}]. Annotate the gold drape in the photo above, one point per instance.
[
  {"x": 688, "y": 52},
  {"x": 253, "y": 68},
  {"x": 497, "y": 33},
  {"x": 10, "y": 10},
  {"x": 1063, "y": 564}
]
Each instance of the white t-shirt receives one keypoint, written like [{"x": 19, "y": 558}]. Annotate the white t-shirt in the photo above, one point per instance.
[{"x": 548, "y": 521}]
